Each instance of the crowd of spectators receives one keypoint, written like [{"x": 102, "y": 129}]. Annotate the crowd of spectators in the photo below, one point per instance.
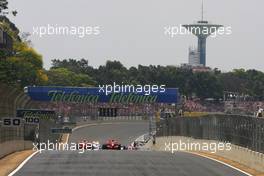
[
  {"x": 248, "y": 107},
  {"x": 193, "y": 106},
  {"x": 239, "y": 107},
  {"x": 72, "y": 109},
  {"x": 202, "y": 106}
]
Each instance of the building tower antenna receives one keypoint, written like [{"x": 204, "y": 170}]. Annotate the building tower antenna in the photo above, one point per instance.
[{"x": 202, "y": 10}]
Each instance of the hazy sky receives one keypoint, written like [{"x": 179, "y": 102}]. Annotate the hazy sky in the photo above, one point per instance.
[{"x": 133, "y": 31}]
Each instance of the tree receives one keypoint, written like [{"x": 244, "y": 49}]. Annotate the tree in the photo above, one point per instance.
[
  {"x": 112, "y": 71},
  {"x": 22, "y": 50},
  {"x": 203, "y": 85},
  {"x": 24, "y": 66},
  {"x": 4, "y": 8},
  {"x": 65, "y": 77},
  {"x": 16, "y": 70},
  {"x": 250, "y": 82},
  {"x": 206, "y": 85},
  {"x": 3, "y": 5},
  {"x": 77, "y": 66}
]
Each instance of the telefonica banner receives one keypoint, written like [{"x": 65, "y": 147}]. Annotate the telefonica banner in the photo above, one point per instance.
[
  {"x": 96, "y": 95},
  {"x": 32, "y": 113}
]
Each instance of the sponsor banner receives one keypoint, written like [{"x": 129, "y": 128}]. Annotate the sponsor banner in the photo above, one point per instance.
[
  {"x": 93, "y": 95},
  {"x": 32, "y": 116},
  {"x": 61, "y": 130}
]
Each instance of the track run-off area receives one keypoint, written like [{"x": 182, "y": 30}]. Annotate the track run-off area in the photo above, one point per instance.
[{"x": 120, "y": 163}]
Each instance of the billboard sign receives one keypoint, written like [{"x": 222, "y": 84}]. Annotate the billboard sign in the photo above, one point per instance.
[
  {"x": 12, "y": 122},
  {"x": 33, "y": 116},
  {"x": 93, "y": 95}
]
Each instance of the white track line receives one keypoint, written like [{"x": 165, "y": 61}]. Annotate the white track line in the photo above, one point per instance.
[
  {"x": 33, "y": 154},
  {"x": 22, "y": 164},
  {"x": 221, "y": 162},
  {"x": 95, "y": 124}
]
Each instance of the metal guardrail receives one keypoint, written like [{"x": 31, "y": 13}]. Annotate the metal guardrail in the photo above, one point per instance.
[
  {"x": 239, "y": 130},
  {"x": 121, "y": 118},
  {"x": 84, "y": 119}
]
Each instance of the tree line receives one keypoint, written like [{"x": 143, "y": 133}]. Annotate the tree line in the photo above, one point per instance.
[{"x": 199, "y": 84}]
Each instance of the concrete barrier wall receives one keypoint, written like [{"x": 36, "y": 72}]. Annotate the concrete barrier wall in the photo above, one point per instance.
[
  {"x": 11, "y": 139},
  {"x": 121, "y": 118},
  {"x": 244, "y": 131},
  {"x": 117, "y": 118},
  {"x": 82, "y": 120},
  {"x": 238, "y": 154},
  {"x": 14, "y": 139},
  {"x": 9, "y": 147}
]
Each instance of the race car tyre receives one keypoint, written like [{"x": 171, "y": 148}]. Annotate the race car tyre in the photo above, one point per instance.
[
  {"x": 119, "y": 147},
  {"x": 104, "y": 147}
]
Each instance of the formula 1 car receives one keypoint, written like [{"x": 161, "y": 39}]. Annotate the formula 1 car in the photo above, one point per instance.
[
  {"x": 85, "y": 145},
  {"x": 112, "y": 145}
]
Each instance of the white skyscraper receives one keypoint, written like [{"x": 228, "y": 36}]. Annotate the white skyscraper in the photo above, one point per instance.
[{"x": 194, "y": 59}]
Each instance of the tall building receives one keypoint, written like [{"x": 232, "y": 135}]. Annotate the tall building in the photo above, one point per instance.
[
  {"x": 193, "y": 57},
  {"x": 202, "y": 29}
]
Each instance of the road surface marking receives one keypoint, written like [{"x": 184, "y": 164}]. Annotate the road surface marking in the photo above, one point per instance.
[
  {"x": 221, "y": 162},
  {"x": 22, "y": 164}
]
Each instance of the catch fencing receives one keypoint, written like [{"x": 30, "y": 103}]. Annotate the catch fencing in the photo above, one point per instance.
[
  {"x": 239, "y": 130},
  {"x": 16, "y": 138},
  {"x": 11, "y": 98}
]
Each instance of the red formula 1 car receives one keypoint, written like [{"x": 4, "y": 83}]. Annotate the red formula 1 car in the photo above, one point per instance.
[{"x": 112, "y": 145}]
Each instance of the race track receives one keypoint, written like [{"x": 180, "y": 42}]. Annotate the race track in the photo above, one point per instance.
[
  {"x": 120, "y": 163},
  {"x": 124, "y": 132}
]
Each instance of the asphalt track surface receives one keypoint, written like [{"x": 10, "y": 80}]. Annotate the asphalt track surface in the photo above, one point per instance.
[
  {"x": 124, "y": 132},
  {"x": 120, "y": 163}
]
